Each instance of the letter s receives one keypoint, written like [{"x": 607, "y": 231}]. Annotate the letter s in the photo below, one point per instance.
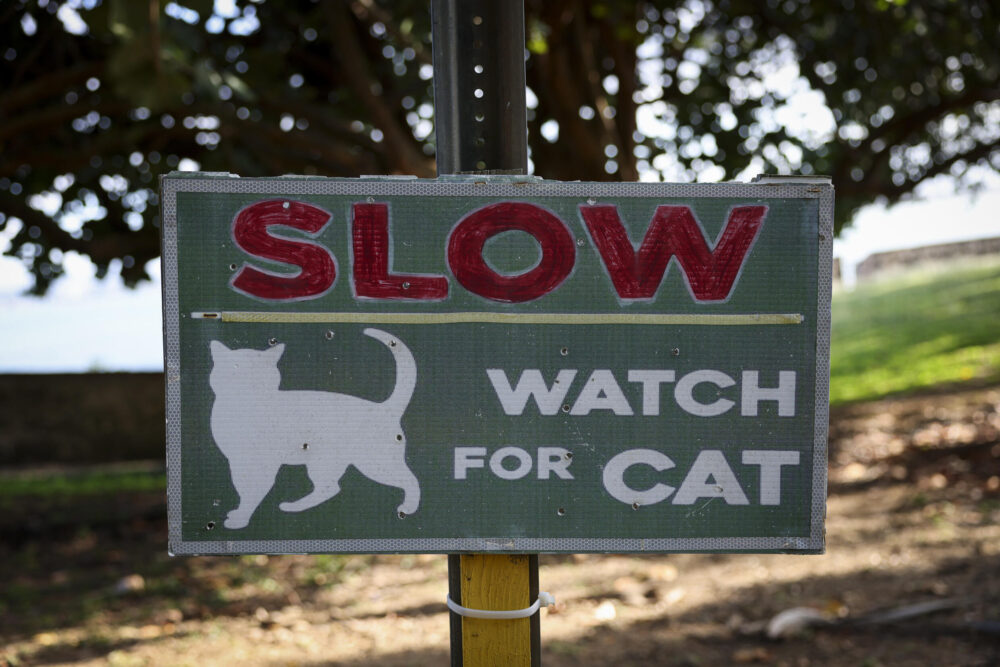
[{"x": 317, "y": 266}]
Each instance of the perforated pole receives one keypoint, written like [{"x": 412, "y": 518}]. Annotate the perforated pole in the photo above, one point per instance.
[
  {"x": 481, "y": 127},
  {"x": 479, "y": 104}
]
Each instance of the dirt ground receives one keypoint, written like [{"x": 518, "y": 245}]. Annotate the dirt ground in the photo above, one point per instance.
[{"x": 911, "y": 577}]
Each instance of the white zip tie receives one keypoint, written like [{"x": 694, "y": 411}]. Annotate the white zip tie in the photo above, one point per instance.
[{"x": 544, "y": 600}]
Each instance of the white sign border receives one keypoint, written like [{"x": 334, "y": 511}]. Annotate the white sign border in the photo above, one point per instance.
[{"x": 510, "y": 187}]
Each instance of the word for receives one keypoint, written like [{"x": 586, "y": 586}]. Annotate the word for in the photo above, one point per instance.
[
  {"x": 602, "y": 391},
  {"x": 551, "y": 461},
  {"x": 710, "y": 475},
  {"x": 635, "y": 272}
]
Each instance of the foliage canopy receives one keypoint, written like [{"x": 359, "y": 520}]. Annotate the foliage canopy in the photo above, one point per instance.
[{"x": 100, "y": 97}]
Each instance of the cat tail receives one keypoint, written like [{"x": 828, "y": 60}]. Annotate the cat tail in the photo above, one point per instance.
[{"x": 406, "y": 371}]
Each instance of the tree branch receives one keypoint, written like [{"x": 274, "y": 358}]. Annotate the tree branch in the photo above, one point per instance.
[
  {"x": 366, "y": 10},
  {"x": 54, "y": 83},
  {"x": 55, "y": 116},
  {"x": 354, "y": 68},
  {"x": 17, "y": 207},
  {"x": 895, "y": 192}
]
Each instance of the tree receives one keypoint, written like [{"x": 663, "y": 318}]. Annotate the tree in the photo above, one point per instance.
[{"x": 98, "y": 98}]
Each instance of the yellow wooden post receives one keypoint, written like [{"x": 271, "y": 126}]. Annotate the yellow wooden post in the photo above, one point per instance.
[{"x": 496, "y": 582}]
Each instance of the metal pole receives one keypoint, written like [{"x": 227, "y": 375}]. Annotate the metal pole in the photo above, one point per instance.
[
  {"x": 479, "y": 105},
  {"x": 481, "y": 127}
]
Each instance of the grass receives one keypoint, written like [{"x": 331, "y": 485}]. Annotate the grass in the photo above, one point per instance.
[
  {"x": 917, "y": 329},
  {"x": 97, "y": 480}
]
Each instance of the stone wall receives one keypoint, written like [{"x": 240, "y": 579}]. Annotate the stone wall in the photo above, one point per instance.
[
  {"x": 896, "y": 259},
  {"x": 81, "y": 418}
]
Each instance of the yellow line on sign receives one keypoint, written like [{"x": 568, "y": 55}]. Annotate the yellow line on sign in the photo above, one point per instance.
[{"x": 710, "y": 319}]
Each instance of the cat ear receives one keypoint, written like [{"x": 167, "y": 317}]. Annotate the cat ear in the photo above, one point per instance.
[
  {"x": 217, "y": 349},
  {"x": 276, "y": 351}
]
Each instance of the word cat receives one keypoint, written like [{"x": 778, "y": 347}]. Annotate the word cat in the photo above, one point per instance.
[{"x": 259, "y": 428}]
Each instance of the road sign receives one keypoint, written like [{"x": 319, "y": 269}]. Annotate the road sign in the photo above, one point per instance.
[{"x": 505, "y": 364}]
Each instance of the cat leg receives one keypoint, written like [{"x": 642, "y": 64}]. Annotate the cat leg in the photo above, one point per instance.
[
  {"x": 252, "y": 481},
  {"x": 396, "y": 474},
  {"x": 411, "y": 492},
  {"x": 325, "y": 486}
]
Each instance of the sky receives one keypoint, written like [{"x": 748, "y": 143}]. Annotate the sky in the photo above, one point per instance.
[{"x": 89, "y": 325}]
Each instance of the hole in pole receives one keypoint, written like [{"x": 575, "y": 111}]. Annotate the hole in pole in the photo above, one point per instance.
[
  {"x": 478, "y": 93},
  {"x": 477, "y": 20},
  {"x": 478, "y": 69}
]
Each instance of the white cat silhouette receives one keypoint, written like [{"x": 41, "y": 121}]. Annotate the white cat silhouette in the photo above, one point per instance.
[{"x": 259, "y": 428}]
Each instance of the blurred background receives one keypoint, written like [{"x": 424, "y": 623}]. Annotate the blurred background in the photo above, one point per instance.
[{"x": 897, "y": 100}]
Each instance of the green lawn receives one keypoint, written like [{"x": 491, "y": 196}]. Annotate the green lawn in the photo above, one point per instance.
[
  {"x": 917, "y": 329},
  {"x": 96, "y": 480}
]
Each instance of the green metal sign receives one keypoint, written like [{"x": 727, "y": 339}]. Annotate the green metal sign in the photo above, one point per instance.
[{"x": 495, "y": 364}]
